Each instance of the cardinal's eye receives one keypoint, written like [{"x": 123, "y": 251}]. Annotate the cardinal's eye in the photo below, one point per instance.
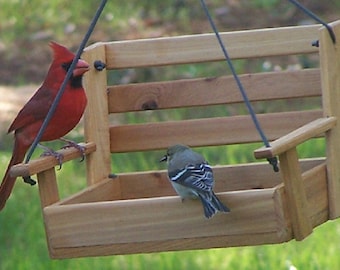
[{"x": 66, "y": 66}]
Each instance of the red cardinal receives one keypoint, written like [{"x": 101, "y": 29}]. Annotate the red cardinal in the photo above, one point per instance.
[{"x": 66, "y": 116}]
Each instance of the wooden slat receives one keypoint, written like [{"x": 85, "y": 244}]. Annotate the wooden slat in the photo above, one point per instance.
[
  {"x": 257, "y": 175},
  {"x": 296, "y": 196},
  {"x": 212, "y": 131},
  {"x": 48, "y": 191},
  {"x": 315, "y": 183},
  {"x": 105, "y": 190},
  {"x": 296, "y": 137},
  {"x": 103, "y": 223},
  {"x": 221, "y": 90},
  {"x": 96, "y": 125},
  {"x": 45, "y": 163},
  {"x": 172, "y": 245},
  {"x": 48, "y": 188},
  {"x": 204, "y": 47},
  {"x": 330, "y": 70}
]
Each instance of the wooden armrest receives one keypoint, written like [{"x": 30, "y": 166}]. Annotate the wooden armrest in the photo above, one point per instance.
[
  {"x": 296, "y": 137},
  {"x": 45, "y": 163}
]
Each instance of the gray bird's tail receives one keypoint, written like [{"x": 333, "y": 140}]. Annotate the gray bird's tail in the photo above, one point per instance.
[{"x": 212, "y": 204}]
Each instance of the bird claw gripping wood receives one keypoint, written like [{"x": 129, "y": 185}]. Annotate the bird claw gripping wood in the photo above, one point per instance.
[
  {"x": 80, "y": 148},
  {"x": 58, "y": 156}
]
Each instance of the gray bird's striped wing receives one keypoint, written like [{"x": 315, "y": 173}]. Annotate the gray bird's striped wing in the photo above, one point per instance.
[{"x": 198, "y": 177}]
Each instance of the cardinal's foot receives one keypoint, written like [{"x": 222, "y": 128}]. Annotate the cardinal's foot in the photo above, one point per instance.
[
  {"x": 49, "y": 152},
  {"x": 29, "y": 180},
  {"x": 80, "y": 148}
]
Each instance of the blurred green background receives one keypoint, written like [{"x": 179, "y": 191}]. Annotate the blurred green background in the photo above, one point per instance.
[{"x": 27, "y": 26}]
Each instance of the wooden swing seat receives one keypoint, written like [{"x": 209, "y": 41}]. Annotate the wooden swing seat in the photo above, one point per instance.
[{"x": 139, "y": 212}]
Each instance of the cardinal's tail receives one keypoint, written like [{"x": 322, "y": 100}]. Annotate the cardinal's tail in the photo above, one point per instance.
[{"x": 7, "y": 183}]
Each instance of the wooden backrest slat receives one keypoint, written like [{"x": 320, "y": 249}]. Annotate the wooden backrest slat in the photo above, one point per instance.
[
  {"x": 221, "y": 90},
  {"x": 210, "y": 131},
  {"x": 204, "y": 47},
  {"x": 207, "y": 91}
]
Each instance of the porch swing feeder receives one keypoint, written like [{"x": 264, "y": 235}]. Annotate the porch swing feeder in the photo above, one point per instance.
[{"x": 139, "y": 212}]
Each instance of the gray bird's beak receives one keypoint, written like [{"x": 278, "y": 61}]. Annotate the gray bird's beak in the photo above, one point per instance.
[{"x": 165, "y": 158}]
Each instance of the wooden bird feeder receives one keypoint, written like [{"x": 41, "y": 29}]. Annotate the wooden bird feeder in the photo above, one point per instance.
[{"x": 139, "y": 212}]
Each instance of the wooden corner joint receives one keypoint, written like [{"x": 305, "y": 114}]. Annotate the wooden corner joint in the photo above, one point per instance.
[{"x": 296, "y": 137}]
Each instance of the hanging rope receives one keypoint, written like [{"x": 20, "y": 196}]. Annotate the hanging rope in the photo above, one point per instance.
[
  {"x": 272, "y": 161},
  {"x": 67, "y": 78},
  {"x": 315, "y": 17}
]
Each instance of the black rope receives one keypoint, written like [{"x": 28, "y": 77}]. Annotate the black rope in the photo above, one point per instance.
[
  {"x": 272, "y": 161},
  {"x": 67, "y": 78},
  {"x": 315, "y": 17}
]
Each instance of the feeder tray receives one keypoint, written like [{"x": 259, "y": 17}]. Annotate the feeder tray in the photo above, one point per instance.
[{"x": 139, "y": 212}]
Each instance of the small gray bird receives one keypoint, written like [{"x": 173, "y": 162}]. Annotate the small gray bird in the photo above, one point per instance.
[{"x": 192, "y": 177}]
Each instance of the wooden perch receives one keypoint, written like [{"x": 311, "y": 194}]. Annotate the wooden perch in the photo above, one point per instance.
[
  {"x": 296, "y": 137},
  {"x": 44, "y": 163}
]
